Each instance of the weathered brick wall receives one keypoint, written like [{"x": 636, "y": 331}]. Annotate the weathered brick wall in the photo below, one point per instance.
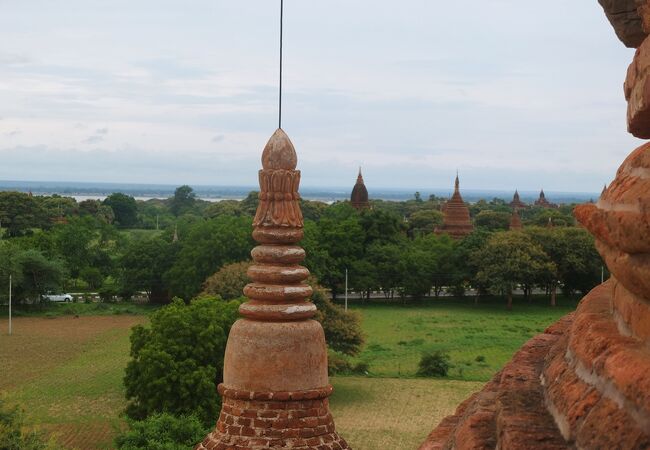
[{"x": 297, "y": 420}]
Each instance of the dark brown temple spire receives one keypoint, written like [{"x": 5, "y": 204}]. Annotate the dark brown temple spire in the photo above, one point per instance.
[
  {"x": 516, "y": 201},
  {"x": 359, "y": 196},
  {"x": 543, "y": 202}
]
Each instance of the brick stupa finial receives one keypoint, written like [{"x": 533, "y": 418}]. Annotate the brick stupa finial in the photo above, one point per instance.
[{"x": 275, "y": 386}]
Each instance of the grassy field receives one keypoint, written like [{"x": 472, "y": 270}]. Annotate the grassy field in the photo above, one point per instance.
[
  {"x": 397, "y": 335},
  {"x": 67, "y": 371}
]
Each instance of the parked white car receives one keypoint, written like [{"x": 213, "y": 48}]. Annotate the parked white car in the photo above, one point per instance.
[{"x": 57, "y": 297}]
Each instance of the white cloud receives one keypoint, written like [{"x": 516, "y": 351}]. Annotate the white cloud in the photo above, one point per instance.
[{"x": 410, "y": 91}]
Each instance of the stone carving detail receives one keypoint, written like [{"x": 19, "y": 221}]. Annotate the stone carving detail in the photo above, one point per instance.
[
  {"x": 275, "y": 389},
  {"x": 279, "y": 182}
]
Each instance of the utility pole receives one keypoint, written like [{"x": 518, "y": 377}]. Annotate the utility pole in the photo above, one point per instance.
[
  {"x": 346, "y": 289},
  {"x": 9, "y": 304}
]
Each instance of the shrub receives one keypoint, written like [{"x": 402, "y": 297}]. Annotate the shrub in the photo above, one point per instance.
[
  {"x": 361, "y": 368},
  {"x": 480, "y": 358},
  {"x": 13, "y": 435},
  {"x": 229, "y": 281},
  {"x": 342, "y": 328},
  {"x": 163, "y": 432},
  {"x": 177, "y": 362},
  {"x": 434, "y": 364},
  {"x": 337, "y": 364}
]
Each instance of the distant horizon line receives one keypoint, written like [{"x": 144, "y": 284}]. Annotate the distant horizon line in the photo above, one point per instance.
[{"x": 107, "y": 184}]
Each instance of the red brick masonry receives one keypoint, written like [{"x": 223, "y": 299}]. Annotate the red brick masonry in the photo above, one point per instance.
[
  {"x": 252, "y": 420},
  {"x": 580, "y": 384}
]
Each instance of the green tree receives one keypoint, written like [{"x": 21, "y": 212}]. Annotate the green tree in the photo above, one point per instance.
[
  {"x": 125, "y": 209},
  {"x": 424, "y": 221},
  {"x": 386, "y": 260},
  {"x": 223, "y": 208},
  {"x": 381, "y": 226},
  {"x": 418, "y": 265},
  {"x": 19, "y": 213},
  {"x": 492, "y": 220},
  {"x": 510, "y": 259},
  {"x": 338, "y": 242},
  {"x": 465, "y": 265},
  {"x": 73, "y": 241},
  {"x": 40, "y": 274},
  {"x": 229, "y": 281},
  {"x": 342, "y": 328},
  {"x": 206, "y": 246},
  {"x": 162, "y": 432},
  {"x": 183, "y": 200},
  {"x": 177, "y": 363},
  {"x": 574, "y": 254},
  {"x": 249, "y": 204},
  {"x": 143, "y": 266}
]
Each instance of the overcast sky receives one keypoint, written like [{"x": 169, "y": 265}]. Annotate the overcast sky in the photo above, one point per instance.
[{"x": 512, "y": 93}]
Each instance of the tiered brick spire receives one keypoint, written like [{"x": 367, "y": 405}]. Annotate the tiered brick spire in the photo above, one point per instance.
[
  {"x": 516, "y": 201},
  {"x": 515, "y": 220},
  {"x": 275, "y": 389},
  {"x": 456, "y": 220}
]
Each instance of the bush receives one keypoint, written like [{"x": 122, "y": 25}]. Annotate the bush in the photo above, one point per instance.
[
  {"x": 342, "y": 328},
  {"x": 229, "y": 281},
  {"x": 177, "y": 362},
  {"x": 13, "y": 435},
  {"x": 434, "y": 364},
  {"x": 480, "y": 358},
  {"x": 337, "y": 364},
  {"x": 162, "y": 432},
  {"x": 361, "y": 368}
]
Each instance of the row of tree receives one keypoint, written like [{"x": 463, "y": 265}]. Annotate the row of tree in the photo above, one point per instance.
[
  {"x": 390, "y": 247},
  {"x": 381, "y": 255}
]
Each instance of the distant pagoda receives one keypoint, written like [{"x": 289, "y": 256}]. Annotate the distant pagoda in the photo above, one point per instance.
[
  {"x": 541, "y": 201},
  {"x": 515, "y": 220},
  {"x": 359, "y": 197},
  {"x": 456, "y": 221},
  {"x": 516, "y": 201}
]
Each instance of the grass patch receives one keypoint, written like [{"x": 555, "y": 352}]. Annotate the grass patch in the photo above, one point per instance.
[
  {"x": 372, "y": 413},
  {"x": 67, "y": 374},
  {"x": 480, "y": 339}
]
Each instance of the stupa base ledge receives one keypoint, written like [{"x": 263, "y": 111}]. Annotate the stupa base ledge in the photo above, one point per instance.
[
  {"x": 290, "y": 419},
  {"x": 281, "y": 396}
]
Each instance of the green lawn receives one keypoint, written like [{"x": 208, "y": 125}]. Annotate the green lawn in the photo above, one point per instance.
[
  {"x": 397, "y": 335},
  {"x": 67, "y": 371}
]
